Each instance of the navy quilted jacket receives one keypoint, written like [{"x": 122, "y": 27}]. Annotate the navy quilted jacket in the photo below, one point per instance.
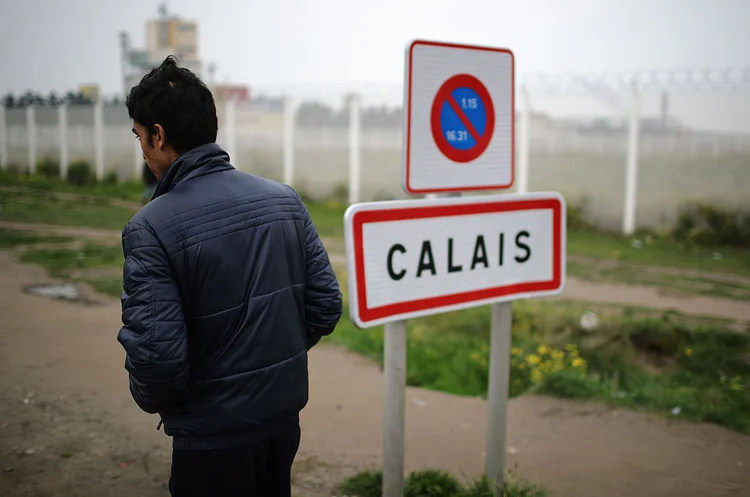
[{"x": 226, "y": 287}]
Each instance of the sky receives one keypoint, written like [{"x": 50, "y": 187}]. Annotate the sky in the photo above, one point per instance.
[{"x": 331, "y": 46}]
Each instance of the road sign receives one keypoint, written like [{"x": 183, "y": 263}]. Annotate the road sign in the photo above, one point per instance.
[
  {"x": 412, "y": 258},
  {"x": 462, "y": 118},
  {"x": 459, "y": 118}
]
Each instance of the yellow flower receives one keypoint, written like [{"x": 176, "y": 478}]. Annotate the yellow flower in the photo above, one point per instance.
[
  {"x": 688, "y": 352},
  {"x": 516, "y": 351},
  {"x": 571, "y": 347},
  {"x": 578, "y": 363},
  {"x": 542, "y": 349},
  {"x": 536, "y": 376},
  {"x": 533, "y": 359},
  {"x": 478, "y": 358}
]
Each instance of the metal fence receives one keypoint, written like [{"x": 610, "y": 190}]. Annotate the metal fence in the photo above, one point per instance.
[{"x": 629, "y": 158}]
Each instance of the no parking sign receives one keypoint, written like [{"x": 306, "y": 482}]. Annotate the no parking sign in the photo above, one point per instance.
[
  {"x": 459, "y": 129},
  {"x": 462, "y": 118}
]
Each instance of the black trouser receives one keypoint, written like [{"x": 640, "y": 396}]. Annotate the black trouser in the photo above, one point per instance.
[{"x": 262, "y": 469}]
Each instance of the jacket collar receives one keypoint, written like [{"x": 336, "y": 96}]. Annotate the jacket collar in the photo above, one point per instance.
[{"x": 206, "y": 159}]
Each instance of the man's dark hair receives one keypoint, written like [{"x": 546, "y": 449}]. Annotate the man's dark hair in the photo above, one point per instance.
[{"x": 178, "y": 100}]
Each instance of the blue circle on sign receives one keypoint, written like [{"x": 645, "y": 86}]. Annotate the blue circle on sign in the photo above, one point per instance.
[{"x": 459, "y": 133}]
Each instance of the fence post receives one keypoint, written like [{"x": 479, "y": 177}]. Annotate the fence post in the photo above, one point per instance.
[
  {"x": 524, "y": 138},
  {"x": 99, "y": 140},
  {"x": 3, "y": 140},
  {"x": 631, "y": 169},
  {"x": 62, "y": 135},
  {"x": 230, "y": 121},
  {"x": 290, "y": 120},
  {"x": 31, "y": 136},
  {"x": 354, "y": 149}
]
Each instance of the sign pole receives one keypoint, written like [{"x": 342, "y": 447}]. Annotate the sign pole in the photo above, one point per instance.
[
  {"x": 498, "y": 389},
  {"x": 394, "y": 362}
]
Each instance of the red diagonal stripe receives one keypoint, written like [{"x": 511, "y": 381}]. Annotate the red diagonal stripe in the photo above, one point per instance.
[{"x": 465, "y": 120}]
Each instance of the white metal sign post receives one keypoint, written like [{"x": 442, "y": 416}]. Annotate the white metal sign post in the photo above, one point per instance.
[{"x": 413, "y": 258}]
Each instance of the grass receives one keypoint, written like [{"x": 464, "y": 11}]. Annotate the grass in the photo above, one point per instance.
[
  {"x": 38, "y": 206},
  {"x": 130, "y": 191},
  {"x": 659, "y": 252},
  {"x": 13, "y": 238},
  {"x": 328, "y": 219},
  {"x": 93, "y": 264},
  {"x": 63, "y": 262},
  {"x": 435, "y": 483}
]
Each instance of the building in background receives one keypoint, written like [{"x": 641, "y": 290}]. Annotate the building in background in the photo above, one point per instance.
[
  {"x": 170, "y": 35},
  {"x": 167, "y": 35},
  {"x": 90, "y": 92},
  {"x": 227, "y": 91}
]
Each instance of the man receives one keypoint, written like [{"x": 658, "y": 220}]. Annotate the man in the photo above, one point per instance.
[{"x": 226, "y": 286}]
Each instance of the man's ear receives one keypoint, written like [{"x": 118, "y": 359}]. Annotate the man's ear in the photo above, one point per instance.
[{"x": 160, "y": 137}]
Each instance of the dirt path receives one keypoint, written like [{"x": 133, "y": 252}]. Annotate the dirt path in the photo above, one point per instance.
[
  {"x": 55, "y": 229},
  {"x": 80, "y": 433},
  {"x": 656, "y": 298}
]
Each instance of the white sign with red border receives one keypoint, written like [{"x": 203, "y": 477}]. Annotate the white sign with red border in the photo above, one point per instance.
[
  {"x": 459, "y": 110},
  {"x": 412, "y": 258}
]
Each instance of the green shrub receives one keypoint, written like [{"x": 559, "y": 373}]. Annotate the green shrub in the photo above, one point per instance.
[
  {"x": 531, "y": 369},
  {"x": 340, "y": 193},
  {"x": 436, "y": 483},
  {"x": 15, "y": 169},
  {"x": 704, "y": 224},
  {"x": 513, "y": 488},
  {"x": 48, "y": 168},
  {"x": 432, "y": 483},
  {"x": 568, "y": 384},
  {"x": 364, "y": 484},
  {"x": 657, "y": 338},
  {"x": 80, "y": 173},
  {"x": 575, "y": 215},
  {"x": 110, "y": 178}
]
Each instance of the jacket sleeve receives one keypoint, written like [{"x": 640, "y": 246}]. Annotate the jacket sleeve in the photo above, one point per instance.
[
  {"x": 154, "y": 334},
  {"x": 323, "y": 301}
]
